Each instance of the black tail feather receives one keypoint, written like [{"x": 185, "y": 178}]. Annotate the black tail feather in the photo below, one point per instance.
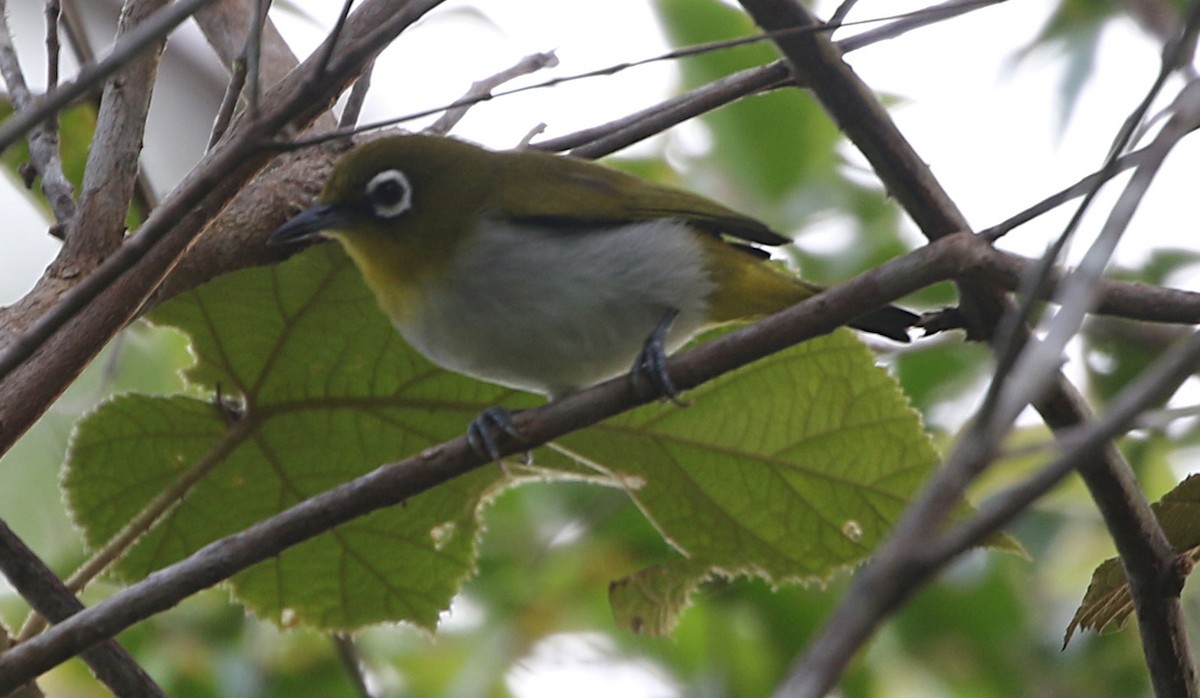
[{"x": 888, "y": 321}]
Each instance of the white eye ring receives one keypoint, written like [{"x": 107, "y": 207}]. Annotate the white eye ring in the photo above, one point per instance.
[{"x": 390, "y": 194}]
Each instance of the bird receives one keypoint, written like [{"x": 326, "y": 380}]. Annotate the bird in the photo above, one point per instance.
[{"x": 542, "y": 272}]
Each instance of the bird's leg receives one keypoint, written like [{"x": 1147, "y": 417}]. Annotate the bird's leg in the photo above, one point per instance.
[
  {"x": 481, "y": 433},
  {"x": 651, "y": 363}
]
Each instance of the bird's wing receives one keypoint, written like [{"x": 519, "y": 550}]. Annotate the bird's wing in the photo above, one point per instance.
[{"x": 573, "y": 191}]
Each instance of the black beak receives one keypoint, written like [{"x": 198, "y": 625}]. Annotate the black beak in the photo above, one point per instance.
[{"x": 308, "y": 224}]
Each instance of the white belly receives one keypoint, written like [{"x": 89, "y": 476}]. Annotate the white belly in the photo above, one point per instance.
[{"x": 552, "y": 312}]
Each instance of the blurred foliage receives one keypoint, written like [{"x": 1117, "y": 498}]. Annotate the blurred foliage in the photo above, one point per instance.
[
  {"x": 992, "y": 626},
  {"x": 1108, "y": 603}
]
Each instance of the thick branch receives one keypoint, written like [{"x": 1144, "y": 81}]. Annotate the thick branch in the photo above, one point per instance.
[{"x": 112, "y": 167}]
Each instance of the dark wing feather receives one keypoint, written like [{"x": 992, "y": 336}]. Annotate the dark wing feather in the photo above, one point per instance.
[{"x": 572, "y": 192}]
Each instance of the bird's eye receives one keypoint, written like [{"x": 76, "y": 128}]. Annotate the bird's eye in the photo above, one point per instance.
[{"x": 390, "y": 194}]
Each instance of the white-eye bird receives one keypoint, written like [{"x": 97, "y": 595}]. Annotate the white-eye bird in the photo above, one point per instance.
[{"x": 542, "y": 272}]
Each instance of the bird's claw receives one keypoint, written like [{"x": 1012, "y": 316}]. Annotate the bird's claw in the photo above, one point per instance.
[
  {"x": 481, "y": 433},
  {"x": 651, "y": 363}
]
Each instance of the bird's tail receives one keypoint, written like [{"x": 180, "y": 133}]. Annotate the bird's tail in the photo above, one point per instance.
[{"x": 888, "y": 321}]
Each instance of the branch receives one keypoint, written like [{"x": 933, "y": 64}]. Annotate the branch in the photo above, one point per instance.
[
  {"x": 43, "y": 138},
  {"x": 46, "y": 593},
  {"x": 110, "y": 176},
  {"x": 482, "y": 89},
  {"x": 163, "y": 23},
  {"x": 1113, "y": 298},
  {"x": 225, "y": 25},
  {"x": 393, "y": 484}
]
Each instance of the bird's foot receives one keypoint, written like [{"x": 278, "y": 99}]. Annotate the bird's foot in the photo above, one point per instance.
[
  {"x": 481, "y": 433},
  {"x": 651, "y": 363}
]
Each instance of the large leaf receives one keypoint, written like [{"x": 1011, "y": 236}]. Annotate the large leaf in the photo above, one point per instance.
[{"x": 787, "y": 469}]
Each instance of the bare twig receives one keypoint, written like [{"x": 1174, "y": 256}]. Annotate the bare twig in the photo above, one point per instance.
[
  {"x": 229, "y": 101},
  {"x": 903, "y": 23},
  {"x": 618, "y": 134},
  {"x": 225, "y": 26},
  {"x": 335, "y": 35},
  {"x": 245, "y": 75},
  {"x": 72, "y": 25},
  {"x": 43, "y": 137},
  {"x": 482, "y": 89},
  {"x": 253, "y": 54},
  {"x": 351, "y": 659},
  {"x": 1113, "y": 298},
  {"x": 358, "y": 96},
  {"x": 1075, "y": 296},
  {"x": 53, "y": 12},
  {"x": 1030, "y": 363},
  {"x": 843, "y": 10}
]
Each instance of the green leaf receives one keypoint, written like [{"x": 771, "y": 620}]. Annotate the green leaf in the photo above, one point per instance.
[
  {"x": 1107, "y": 602},
  {"x": 649, "y": 601},
  {"x": 787, "y": 470}
]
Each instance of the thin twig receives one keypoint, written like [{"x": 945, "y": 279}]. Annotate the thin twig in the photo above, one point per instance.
[
  {"x": 843, "y": 10},
  {"x": 607, "y": 138},
  {"x": 358, "y": 97},
  {"x": 1030, "y": 363},
  {"x": 483, "y": 88},
  {"x": 253, "y": 54},
  {"x": 229, "y": 101},
  {"x": 53, "y": 47},
  {"x": 351, "y": 660},
  {"x": 902, "y": 23},
  {"x": 335, "y": 35},
  {"x": 43, "y": 136},
  {"x": 73, "y": 25}
]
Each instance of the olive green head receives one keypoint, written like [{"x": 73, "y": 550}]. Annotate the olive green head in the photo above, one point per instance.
[{"x": 389, "y": 185}]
